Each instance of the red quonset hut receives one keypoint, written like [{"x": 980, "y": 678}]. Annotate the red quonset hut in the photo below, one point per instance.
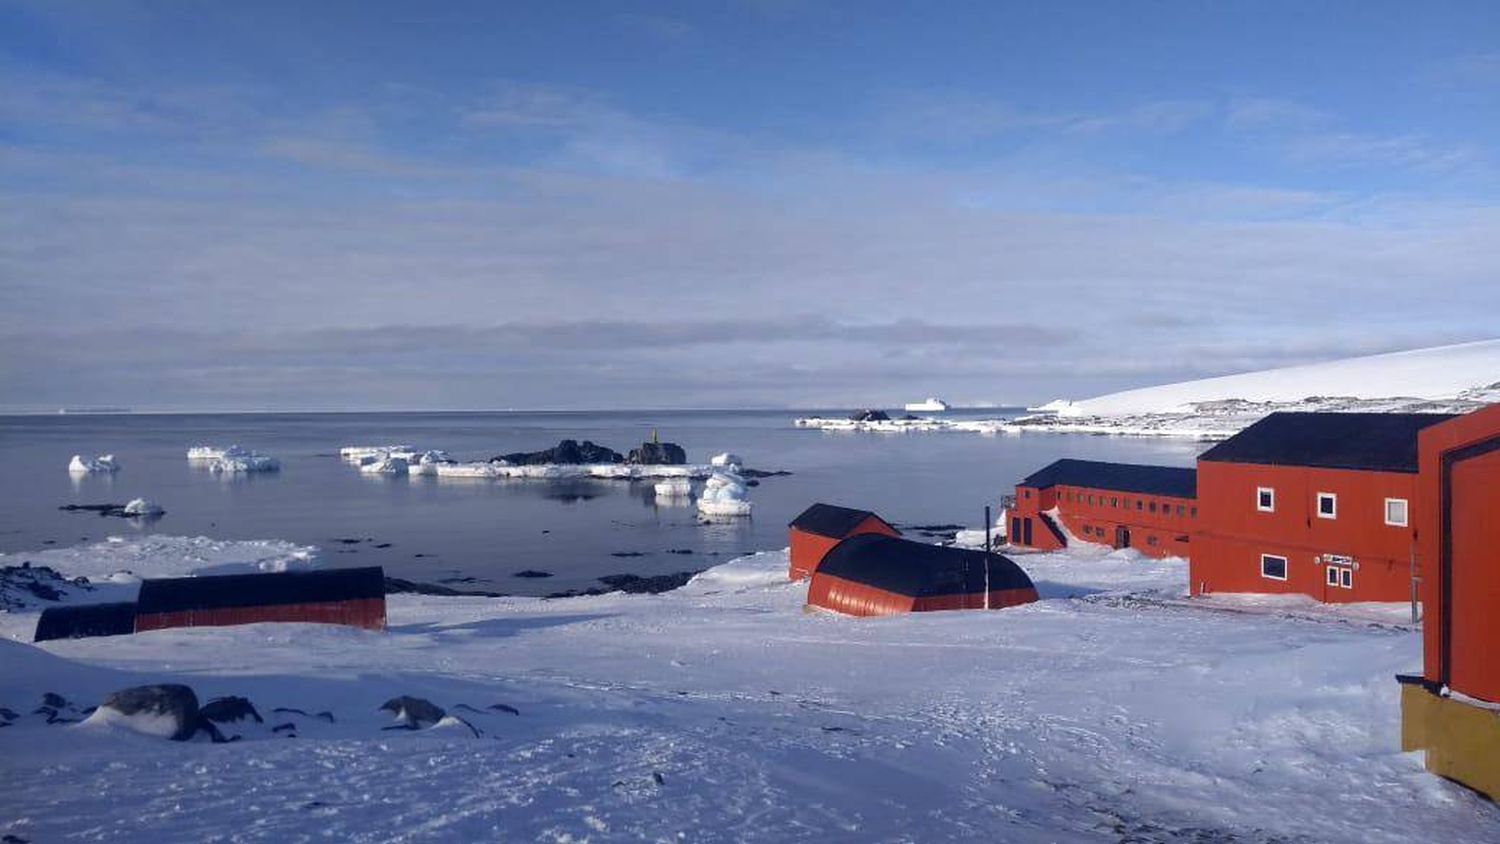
[
  {"x": 353, "y": 597},
  {"x": 822, "y": 526},
  {"x": 1316, "y": 503},
  {"x": 873, "y": 574},
  {"x": 1124, "y": 505}
]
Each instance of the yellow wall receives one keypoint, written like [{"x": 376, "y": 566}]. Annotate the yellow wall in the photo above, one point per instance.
[{"x": 1462, "y": 742}]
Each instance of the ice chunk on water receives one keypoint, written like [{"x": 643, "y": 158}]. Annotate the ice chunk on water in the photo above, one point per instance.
[
  {"x": 725, "y": 494},
  {"x": 102, "y": 464},
  {"x": 143, "y": 507},
  {"x": 727, "y": 459},
  {"x": 386, "y": 466}
]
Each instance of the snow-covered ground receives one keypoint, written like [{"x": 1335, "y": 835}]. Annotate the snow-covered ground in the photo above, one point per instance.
[
  {"x": 1444, "y": 379},
  {"x": 1110, "y": 710}
]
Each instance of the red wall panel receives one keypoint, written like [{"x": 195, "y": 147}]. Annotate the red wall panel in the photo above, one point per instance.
[{"x": 368, "y": 613}]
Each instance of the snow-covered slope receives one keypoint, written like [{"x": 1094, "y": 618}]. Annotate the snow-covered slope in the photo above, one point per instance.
[{"x": 1442, "y": 372}]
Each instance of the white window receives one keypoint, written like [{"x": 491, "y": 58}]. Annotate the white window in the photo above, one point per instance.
[
  {"x": 1346, "y": 578},
  {"x": 1328, "y": 505},
  {"x": 1272, "y": 567},
  {"x": 1333, "y": 576},
  {"x": 1395, "y": 512},
  {"x": 1265, "y": 499}
]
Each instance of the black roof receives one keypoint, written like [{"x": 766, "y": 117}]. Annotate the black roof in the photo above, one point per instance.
[
  {"x": 174, "y": 594},
  {"x": 1385, "y": 442},
  {"x": 918, "y": 569},
  {"x": 1122, "y": 477},
  {"x": 832, "y": 520},
  {"x": 77, "y": 621}
]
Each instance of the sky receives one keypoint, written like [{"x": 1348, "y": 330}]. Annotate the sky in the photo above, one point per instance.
[{"x": 749, "y": 203}]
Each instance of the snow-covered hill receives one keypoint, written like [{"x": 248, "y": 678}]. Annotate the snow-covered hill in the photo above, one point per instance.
[{"x": 1442, "y": 372}]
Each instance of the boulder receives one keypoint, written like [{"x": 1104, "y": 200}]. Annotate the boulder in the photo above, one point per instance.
[
  {"x": 223, "y": 710},
  {"x": 169, "y": 710},
  {"x": 570, "y": 452},
  {"x": 658, "y": 454},
  {"x": 413, "y": 711},
  {"x": 865, "y": 415}
]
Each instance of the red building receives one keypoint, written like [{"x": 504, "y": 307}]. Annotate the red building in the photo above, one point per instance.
[
  {"x": 874, "y": 574},
  {"x": 1452, "y": 711},
  {"x": 822, "y": 526},
  {"x": 1317, "y": 503},
  {"x": 1150, "y": 508}
]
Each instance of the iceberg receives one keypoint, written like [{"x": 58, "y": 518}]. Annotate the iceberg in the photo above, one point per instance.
[
  {"x": 725, "y": 494},
  {"x": 428, "y": 463},
  {"x": 103, "y": 464},
  {"x": 355, "y": 452},
  {"x": 209, "y": 452},
  {"x": 236, "y": 460},
  {"x": 144, "y": 508},
  {"x": 728, "y": 458},
  {"x": 385, "y": 466}
]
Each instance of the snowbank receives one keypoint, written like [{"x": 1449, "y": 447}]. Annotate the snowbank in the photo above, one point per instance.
[
  {"x": 128, "y": 560},
  {"x": 103, "y": 464}
]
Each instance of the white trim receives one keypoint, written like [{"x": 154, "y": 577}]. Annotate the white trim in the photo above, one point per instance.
[
  {"x": 1285, "y": 567},
  {"x": 1346, "y": 578},
  {"x": 1332, "y": 576},
  {"x": 1333, "y": 497},
  {"x": 1405, "y": 512},
  {"x": 1260, "y": 490}
]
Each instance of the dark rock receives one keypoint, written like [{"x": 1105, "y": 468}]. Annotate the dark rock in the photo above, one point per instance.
[
  {"x": 414, "y": 710},
  {"x": 658, "y": 454},
  {"x": 287, "y": 710},
  {"x": 23, "y": 586},
  {"x": 12, "y": 838},
  {"x": 761, "y": 473},
  {"x": 680, "y": 551},
  {"x": 54, "y": 700},
  {"x": 532, "y": 572},
  {"x": 505, "y": 707},
  {"x": 347, "y": 541},
  {"x": 569, "y": 452},
  {"x": 395, "y": 585},
  {"x": 326, "y": 716},
  {"x": 223, "y": 710},
  {"x": 657, "y": 778},
  {"x": 577, "y": 593},
  {"x": 627, "y": 554},
  {"x": 288, "y": 727},
  {"x": 168, "y": 699},
  {"x": 8, "y": 714},
  {"x": 864, "y": 415},
  {"x": 471, "y": 727},
  {"x": 636, "y": 584}
]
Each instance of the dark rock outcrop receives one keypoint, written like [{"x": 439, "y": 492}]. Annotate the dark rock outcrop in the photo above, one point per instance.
[
  {"x": 658, "y": 454},
  {"x": 636, "y": 584},
  {"x": 865, "y": 415},
  {"x": 569, "y": 452},
  {"x": 532, "y": 573},
  {"x": 223, "y": 710},
  {"x": 25, "y": 585},
  {"x": 395, "y": 585},
  {"x": 414, "y": 711}
]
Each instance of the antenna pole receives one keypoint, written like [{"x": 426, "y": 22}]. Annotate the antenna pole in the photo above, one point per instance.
[{"x": 986, "y": 556}]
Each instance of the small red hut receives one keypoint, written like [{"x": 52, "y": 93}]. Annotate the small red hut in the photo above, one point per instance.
[
  {"x": 872, "y": 574},
  {"x": 822, "y": 526}
]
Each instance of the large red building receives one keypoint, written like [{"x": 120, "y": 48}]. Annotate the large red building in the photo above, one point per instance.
[
  {"x": 875, "y": 574},
  {"x": 1123, "y": 505},
  {"x": 820, "y": 527},
  {"x": 1317, "y": 503}
]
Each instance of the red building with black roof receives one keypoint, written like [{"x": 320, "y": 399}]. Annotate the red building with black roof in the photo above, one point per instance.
[
  {"x": 874, "y": 574},
  {"x": 820, "y": 527},
  {"x": 1316, "y": 503},
  {"x": 1150, "y": 508}
]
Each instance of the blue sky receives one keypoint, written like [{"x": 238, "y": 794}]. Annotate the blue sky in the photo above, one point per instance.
[{"x": 771, "y": 202}]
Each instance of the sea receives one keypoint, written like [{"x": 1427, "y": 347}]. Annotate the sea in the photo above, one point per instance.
[{"x": 479, "y": 534}]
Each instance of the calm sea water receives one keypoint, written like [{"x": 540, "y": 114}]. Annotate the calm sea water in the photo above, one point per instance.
[{"x": 488, "y": 530}]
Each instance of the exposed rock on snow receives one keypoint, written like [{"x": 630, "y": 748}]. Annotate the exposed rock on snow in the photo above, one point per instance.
[
  {"x": 456, "y": 725},
  {"x": 25, "y": 586},
  {"x": 167, "y": 711},
  {"x": 413, "y": 712},
  {"x": 725, "y": 494},
  {"x": 566, "y": 453},
  {"x": 657, "y": 454},
  {"x": 225, "y": 710},
  {"x": 101, "y": 465},
  {"x": 143, "y": 508},
  {"x": 865, "y": 415}
]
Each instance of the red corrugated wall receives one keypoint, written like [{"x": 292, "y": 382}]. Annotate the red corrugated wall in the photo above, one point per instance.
[
  {"x": 858, "y": 599},
  {"x": 368, "y": 613},
  {"x": 808, "y": 549}
]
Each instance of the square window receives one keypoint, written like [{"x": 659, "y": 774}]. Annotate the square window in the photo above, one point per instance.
[
  {"x": 1193, "y": 512},
  {"x": 1152, "y": 508},
  {"x": 1328, "y": 505},
  {"x": 1395, "y": 512},
  {"x": 1137, "y": 504},
  {"x": 1346, "y": 578},
  {"x": 1265, "y": 499},
  {"x": 1272, "y": 567},
  {"x": 1333, "y": 576},
  {"x": 1150, "y": 540},
  {"x": 1114, "y": 502},
  {"x": 1180, "y": 509}
]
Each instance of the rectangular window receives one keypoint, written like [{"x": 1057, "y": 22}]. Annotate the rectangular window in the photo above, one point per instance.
[
  {"x": 1194, "y": 512},
  {"x": 1152, "y": 508},
  {"x": 1333, "y": 576},
  {"x": 1265, "y": 499},
  {"x": 1180, "y": 510},
  {"x": 1328, "y": 505},
  {"x": 1395, "y": 512},
  {"x": 1114, "y": 502},
  {"x": 1346, "y": 578},
  {"x": 1272, "y": 567},
  {"x": 1150, "y": 540},
  {"x": 1137, "y": 504},
  {"x": 1026, "y": 493}
]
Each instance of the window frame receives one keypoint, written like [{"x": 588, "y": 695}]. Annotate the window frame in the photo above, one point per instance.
[
  {"x": 1263, "y": 491},
  {"x": 1346, "y": 577},
  {"x": 1405, "y": 512},
  {"x": 1331, "y": 577},
  {"x": 1332, "y": 497},
  {"x": 1285, "y": 567}
]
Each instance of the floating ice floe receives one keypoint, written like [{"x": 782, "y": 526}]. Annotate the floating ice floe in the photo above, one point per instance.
[
  {"x": 236, "y": 460},
  {"x": 355, "y": 452},
  {"x": 210, "y": 452},
  {"x": 674, "y": 488},
  {"x": 725, "y": 494},
  {"x": 462, "y": 470},
  {"x": 428, "y": 462},
  {"x": 143, "y": 507},
  {"x": 103, "y": 464},
  {"x": 564, "y": 471},
  {"x": 385, "y": 466}
]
